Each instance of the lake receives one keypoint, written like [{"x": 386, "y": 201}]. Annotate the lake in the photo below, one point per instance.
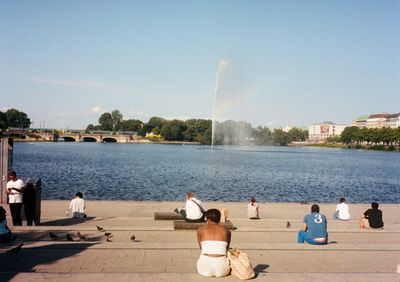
[{"x": 110, "y": 171}]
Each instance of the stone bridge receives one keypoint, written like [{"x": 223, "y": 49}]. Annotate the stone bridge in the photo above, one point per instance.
[
  {"x": 91, "y": 137},
  {"x": 74, "y": 135}
]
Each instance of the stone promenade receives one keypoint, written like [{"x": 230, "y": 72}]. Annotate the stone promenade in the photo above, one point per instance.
[{"x": 160, "y": 253}]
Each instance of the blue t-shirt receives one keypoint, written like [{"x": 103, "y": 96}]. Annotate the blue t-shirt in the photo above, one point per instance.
[
  {"x": 316, "y": 225},
  {"x": 3, "y": 227}
]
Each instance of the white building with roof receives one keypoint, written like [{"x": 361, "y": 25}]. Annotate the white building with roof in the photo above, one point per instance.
[
  {"x": 378, "y": 120},
  {"x": 320, "y": 131},
  {"x": 394, "y": 120}
]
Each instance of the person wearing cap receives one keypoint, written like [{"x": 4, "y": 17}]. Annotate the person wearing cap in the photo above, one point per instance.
[{"x": 15, "y": 188}]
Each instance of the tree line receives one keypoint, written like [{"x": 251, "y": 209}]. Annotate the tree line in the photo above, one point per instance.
[
  {"x": 199, "y": 130},
  {"x": 371, "y": 136},
  {"x": 228, "y": 132}
]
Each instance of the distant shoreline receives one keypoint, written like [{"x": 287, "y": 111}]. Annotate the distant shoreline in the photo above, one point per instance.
[{"x": 383, "y": 148}]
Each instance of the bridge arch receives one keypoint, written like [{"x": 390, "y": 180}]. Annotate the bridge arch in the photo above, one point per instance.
[
  {"x": 109, "y": 140},
  {"x": 67, "y": 138},
  {"x": 88, "y": 139}
]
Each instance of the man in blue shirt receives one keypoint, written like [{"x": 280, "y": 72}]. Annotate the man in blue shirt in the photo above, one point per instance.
[{"x": 314, "y": 228}]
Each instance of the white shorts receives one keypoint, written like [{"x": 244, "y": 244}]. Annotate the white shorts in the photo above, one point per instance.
[{"x": 213, "y": 266}]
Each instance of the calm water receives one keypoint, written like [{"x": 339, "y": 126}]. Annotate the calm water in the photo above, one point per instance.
[{"x": 167, "y": 172}]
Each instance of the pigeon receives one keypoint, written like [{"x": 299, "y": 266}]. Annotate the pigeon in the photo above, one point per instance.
[
  {"x": 108, "y": 240},
  {"x": 133, "y": 237},
  {"x": 287, "y": 224},
  {"x": 107, "y": 234},
  {"x": 52, "y": 235},
  {"x": 69, "y": 238},
  {"x": 16, "y": 249},
  {"x": 81, "y": 237},
  {"x": 100, "y": 228}
]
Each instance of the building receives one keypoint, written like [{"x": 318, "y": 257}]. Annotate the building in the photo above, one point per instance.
[
  {"x": 378, "y": 121},
  {"x": 320, "y": 131},
  {"x": 360, "y": 122},
  {"x": 394, "y": 120}
]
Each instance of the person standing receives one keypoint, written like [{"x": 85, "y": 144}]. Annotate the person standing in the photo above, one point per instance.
[
  {"x": 213, "y": 240},
  {"x": 373, "y": 217},
  {"x": 342, "y": 210},
  {"x": 15, "y": 188},
  {"x": 314, "y": 229}
]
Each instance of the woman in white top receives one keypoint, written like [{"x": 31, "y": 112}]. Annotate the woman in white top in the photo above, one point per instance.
[
  {"x": 252, "y": 209},
  {"x": 214, "y": 240},
  {"x": 77, "y": 206}
]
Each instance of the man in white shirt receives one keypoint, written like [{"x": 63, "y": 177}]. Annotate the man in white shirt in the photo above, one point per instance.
[
  {"x": 194, "y": 210},
  {"x": 15, "y": 188},
  {"x": 77, "y": 206},
  {"x": 342, "y": 210}
]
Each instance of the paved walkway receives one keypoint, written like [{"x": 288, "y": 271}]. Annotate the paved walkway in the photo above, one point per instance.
[{"x": 160, "y": 253}]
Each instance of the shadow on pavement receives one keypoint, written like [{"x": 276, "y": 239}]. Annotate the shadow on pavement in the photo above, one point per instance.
[
  {"x": 260, "y": 268},
  {"x": 32, "y": 259},
  {"x": 66, "y": 221}
]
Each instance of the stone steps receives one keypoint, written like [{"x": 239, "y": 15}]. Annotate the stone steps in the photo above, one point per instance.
[{"x": 184, "y": 277}]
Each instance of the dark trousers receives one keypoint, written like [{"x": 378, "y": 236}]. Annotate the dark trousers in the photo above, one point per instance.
[{"x": 16, "y": 213}]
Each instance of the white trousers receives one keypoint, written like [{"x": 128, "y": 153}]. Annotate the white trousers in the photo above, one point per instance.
[{"x": 213, "y": 266}]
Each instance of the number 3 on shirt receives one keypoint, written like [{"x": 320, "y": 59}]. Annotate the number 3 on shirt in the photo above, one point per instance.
[{"x": 318, "y": 218}]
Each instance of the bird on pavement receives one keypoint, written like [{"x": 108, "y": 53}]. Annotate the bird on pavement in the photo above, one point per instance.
[
  {"x": 107, "y": 234},
  {"x": 52, "y": 235},
  {"x": 16, "y": 249},
  {"x": 100, "y": 228},
  {"x": 287, "y": 224},
  {"x": 69, "y": 238},
  {"x": 133, "y": 237},
  {"x": 81, "y": 237},
  {"x": 108, "y": 240}
]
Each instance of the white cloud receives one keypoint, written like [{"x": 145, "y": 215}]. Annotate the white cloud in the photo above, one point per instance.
[
  {"x": 83, "y": 84},
  {"x": 96, "y": 110}
]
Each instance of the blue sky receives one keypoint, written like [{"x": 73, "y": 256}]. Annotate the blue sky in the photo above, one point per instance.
[{"x": 290, "y": 62}]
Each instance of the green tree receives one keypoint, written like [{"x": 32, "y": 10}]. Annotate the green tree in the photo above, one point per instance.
[
  {"x": 349, "y": 134},
  {"x": 280, "y": 137},
  {"x": 197, "y": 131},
  {"x": 17, "y": 118},
  {"x": 105, "y": 121},
  {"x": 131, "y": 125},
  {"x": 116, "y": 119},
  {"x": 173, "y": 130},
  {"x": 3, "y": 121},
  {"x": 262, "y": 136},
  {"x": 155, "y": 122},
  {"x": 92, "y": 127},
  {"x": 296, "y": 134}
]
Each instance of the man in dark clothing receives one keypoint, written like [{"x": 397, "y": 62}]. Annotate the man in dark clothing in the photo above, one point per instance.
[{"x": 373, "y": 216}]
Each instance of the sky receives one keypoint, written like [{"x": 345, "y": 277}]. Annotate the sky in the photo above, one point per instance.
[{"x": 270, "y": 63}]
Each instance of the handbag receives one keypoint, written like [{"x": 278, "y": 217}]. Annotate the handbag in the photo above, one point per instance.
[
  {"x": 240, "y": 264},
  {"x": 200, "y": 207}
]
